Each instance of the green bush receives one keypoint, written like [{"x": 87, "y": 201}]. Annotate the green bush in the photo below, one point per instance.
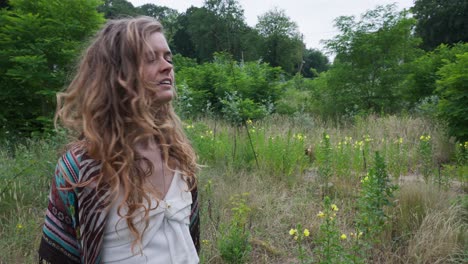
[{"x": 453, "y": 90}]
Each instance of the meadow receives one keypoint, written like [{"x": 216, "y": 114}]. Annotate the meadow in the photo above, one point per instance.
[{"x": 290, "y": 190}]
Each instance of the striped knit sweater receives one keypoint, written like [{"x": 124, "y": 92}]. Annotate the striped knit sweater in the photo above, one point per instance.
[{"x": 75, "y": 217}]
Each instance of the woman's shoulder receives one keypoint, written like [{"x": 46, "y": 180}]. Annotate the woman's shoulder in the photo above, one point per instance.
[{"x": 77, "y": 163}]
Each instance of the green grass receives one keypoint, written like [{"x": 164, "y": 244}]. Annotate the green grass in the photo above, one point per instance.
[{"x": 284, "y": 187}]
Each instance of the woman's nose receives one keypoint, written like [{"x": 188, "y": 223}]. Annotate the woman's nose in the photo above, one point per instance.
[{"x": 166, "y": 66}]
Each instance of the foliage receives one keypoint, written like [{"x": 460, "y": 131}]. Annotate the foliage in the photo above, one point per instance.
[
  {"x": 324, "y": 162},
  {"x": 218, "y": 26},
  {"x": 282, "y": 42},
  {"x": 237, "y": 110},
  {"x": 167, "y": 16},
  {"x": 329, "y": 248},
  {"x": 280, "y": 157},
  {"x": 39, "y": 40},
  {"x": 233, "y": 244},
  {"x": 253, "y": 84},
  {"x": 314, "y": 63},
  {"x": 425, "y": 152},
  {"x": 25, "y": 172},
  {"x": 113, "y": 9},
  {"x": 441, "y": 21},
  {"x": 299, "y": 235},
  {"x": 453, "y": 90},
  {"x": 366, "y": 74},
  {"x": 296, "y": 96},
  {"x": 376, "y": 194},
  {"x": 422, "y": 75}
]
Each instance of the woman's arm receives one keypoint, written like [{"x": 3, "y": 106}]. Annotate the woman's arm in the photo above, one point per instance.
[{"x": 60, "y": 235}]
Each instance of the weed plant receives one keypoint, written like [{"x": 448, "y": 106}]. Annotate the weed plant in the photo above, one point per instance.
[
  {"x": 233, "y": 242},
  {"x": 425, "y": 151},
  {"x": 376, "y": 194},
  {"x": 328, "y": 243}
]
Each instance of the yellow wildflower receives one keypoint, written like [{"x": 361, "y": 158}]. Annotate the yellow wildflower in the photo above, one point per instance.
[
  {"x": 19, "y": 226},
  {"x": 425, "y": 138},
  {"x": 306, "y": 232},
  {"x": 293, "y": 231},
  {"x": 343, "y": 237},
  {"x": 205, "y": 242},
  {"x": 298, "y": 136},
  {"x": 334, "y": 207},
  {"x": 327, "y": 136},
  {"x": 296, "y": 237},
  {"x": 249, "y": 122},
  {"x": 321, "y": 214}
]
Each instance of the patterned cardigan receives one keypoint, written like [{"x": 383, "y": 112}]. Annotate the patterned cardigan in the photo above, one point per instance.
[{"x": 75, "y": 218}]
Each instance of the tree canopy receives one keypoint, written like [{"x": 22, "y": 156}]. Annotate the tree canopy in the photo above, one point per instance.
[
  {"x": 441, "y": 21},
  {"x": 221, "y": 62},
  {"x": 38, "y": 42}
]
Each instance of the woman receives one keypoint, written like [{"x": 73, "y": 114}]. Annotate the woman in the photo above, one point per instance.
[{"x": 125, "y": 191}]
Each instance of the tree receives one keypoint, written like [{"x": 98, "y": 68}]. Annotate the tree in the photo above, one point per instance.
[
  {"x": 218, "y": 26},
  {"x": 370, "y": 59},
  {"x": 38, "y": 42},
  {"x": 441, "y": 21},
  {"x": 422, "y": 75},
  {"x": 453, "y": 90},
  {"x": 182, "y": 41},
  {"x": 167, "y": 16},
  {"x": 315, "y": 62},
  {"x": 117, "y": 8},
  {"x": 3, "y": 3},
  {"x": 283, "y": 44}
]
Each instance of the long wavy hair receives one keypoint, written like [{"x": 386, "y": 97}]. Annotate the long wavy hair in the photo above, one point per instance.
[{"x": 111, "y": 106}]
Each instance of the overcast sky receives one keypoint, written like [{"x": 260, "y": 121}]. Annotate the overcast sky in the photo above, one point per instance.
[{"x": 314, "y": 17}]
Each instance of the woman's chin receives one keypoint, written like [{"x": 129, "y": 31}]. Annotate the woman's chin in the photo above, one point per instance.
[{"x": 165, "y": 96}]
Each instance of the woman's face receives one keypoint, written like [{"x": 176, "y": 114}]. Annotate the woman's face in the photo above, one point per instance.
[{"x": 158, "y": 68}]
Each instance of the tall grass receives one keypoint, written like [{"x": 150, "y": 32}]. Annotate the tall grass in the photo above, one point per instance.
[
  {"x": 284, "y": 187},
  {"x": 25, "y": 174}
]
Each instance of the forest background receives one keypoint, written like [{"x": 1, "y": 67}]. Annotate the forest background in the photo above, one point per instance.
[
  {"x": 398, "y": 84},
  {"x": 385, "y": 62}
]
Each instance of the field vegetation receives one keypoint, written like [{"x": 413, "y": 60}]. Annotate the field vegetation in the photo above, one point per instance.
[{"x": 263, "y": 180}]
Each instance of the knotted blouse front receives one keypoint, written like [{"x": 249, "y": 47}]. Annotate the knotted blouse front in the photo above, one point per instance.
[{"x": 167, "y": 238}]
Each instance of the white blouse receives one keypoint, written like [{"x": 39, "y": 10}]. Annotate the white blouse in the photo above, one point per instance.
[{"x": 167, "y": 238}]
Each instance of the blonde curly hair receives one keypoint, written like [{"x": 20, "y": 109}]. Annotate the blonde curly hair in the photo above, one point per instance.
[{"x": 111, "y": 106}]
